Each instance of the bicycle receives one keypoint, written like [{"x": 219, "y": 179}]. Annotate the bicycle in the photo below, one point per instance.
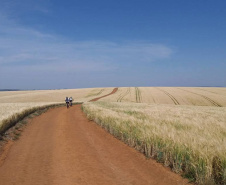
[{"x": 67, "y": 104}]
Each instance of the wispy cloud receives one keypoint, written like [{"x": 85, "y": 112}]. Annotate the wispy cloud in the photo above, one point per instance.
[
  {"x": 26, "y": 46},
  {"x": 14, "y": 8},
  {"x": 27, "y": 54}
]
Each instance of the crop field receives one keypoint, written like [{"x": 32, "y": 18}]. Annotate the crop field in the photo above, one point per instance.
[
  {"x": 189, "y": 139},
  {"x": 201, "y": 96}
]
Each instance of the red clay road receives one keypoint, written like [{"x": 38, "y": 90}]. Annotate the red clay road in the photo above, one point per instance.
[{"x": 62, "y": 147}]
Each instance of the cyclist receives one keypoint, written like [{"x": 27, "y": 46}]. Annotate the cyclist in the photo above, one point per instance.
[
  {"x": 70, "y": 100},
  {"x": 67, "y": 101}
]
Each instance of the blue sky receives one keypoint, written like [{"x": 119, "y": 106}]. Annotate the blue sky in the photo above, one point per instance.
[{"x": 53, "y": 44}]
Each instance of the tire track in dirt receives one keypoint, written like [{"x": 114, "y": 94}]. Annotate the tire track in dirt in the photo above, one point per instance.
[
  {"x": 171, "y": 96},
  {"x": 205, "y": 97}
]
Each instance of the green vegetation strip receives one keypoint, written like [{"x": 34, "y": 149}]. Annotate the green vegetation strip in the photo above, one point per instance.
[{"x": 190, "y": 140}]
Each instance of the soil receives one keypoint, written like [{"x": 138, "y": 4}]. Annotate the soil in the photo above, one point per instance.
[{"x": 62, "y": 147}]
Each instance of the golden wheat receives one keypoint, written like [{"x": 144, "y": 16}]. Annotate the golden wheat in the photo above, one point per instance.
[
  {"x": 187, "y": 138},
  {"x": 11, "y": 113},
  {"x": 199, "y": 96},
  {"x": 9, "y": 109}
]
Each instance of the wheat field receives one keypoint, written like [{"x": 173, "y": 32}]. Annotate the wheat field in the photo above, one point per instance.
[
  {"x": 186, "y": 138},
  {"x": 182, "y": 127},
  {"x": 202, "y": 96},
  {"x": 9, "y": 109},
  {"x": 79, "y": 95},
  {"x": 199, "y": 96}
]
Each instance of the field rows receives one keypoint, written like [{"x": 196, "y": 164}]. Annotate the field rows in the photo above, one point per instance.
[
  {"x": 171, "y": 95},
  {"x": 138, "y": 95},
  {"x": 154, "y": 95},
  {"x": 123, "y": 94}
]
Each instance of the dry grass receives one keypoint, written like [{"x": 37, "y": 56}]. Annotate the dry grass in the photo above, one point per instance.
[
  {"x": 189, "y": 139},
  {"x": 199, "y": 96},
  {"x": 11, "y": 113},
  {"x": 9, "y": 109}
]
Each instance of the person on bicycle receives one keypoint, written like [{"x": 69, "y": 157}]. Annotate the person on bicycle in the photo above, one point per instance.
[
  {"x": 67, "y": 101},
  {"x": 70, "y": 100}
]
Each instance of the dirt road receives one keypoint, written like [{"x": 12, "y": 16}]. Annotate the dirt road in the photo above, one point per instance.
[{"x": 61, "y": 147}]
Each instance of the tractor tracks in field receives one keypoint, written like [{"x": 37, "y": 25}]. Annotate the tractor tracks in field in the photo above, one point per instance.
[
  {"x": 211, "y": 92},
  {"x": 122, "y": 95},
  {"x": 170, "y": 96},
  {"x": 128, "y": 90},
  {"x": 138, "y": 95},
  {"x": 114, "y": 91},
  {"x": 95, "y": 93},
  {"x": 205, "y": 97}
]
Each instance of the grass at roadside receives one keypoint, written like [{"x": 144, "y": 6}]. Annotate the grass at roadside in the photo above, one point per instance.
[
  {"x": 19, "y": 112},
  {"x": 189, "y": 139}
]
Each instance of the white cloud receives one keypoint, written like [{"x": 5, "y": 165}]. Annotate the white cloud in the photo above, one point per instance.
[{"x": 26, "y": 47}]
